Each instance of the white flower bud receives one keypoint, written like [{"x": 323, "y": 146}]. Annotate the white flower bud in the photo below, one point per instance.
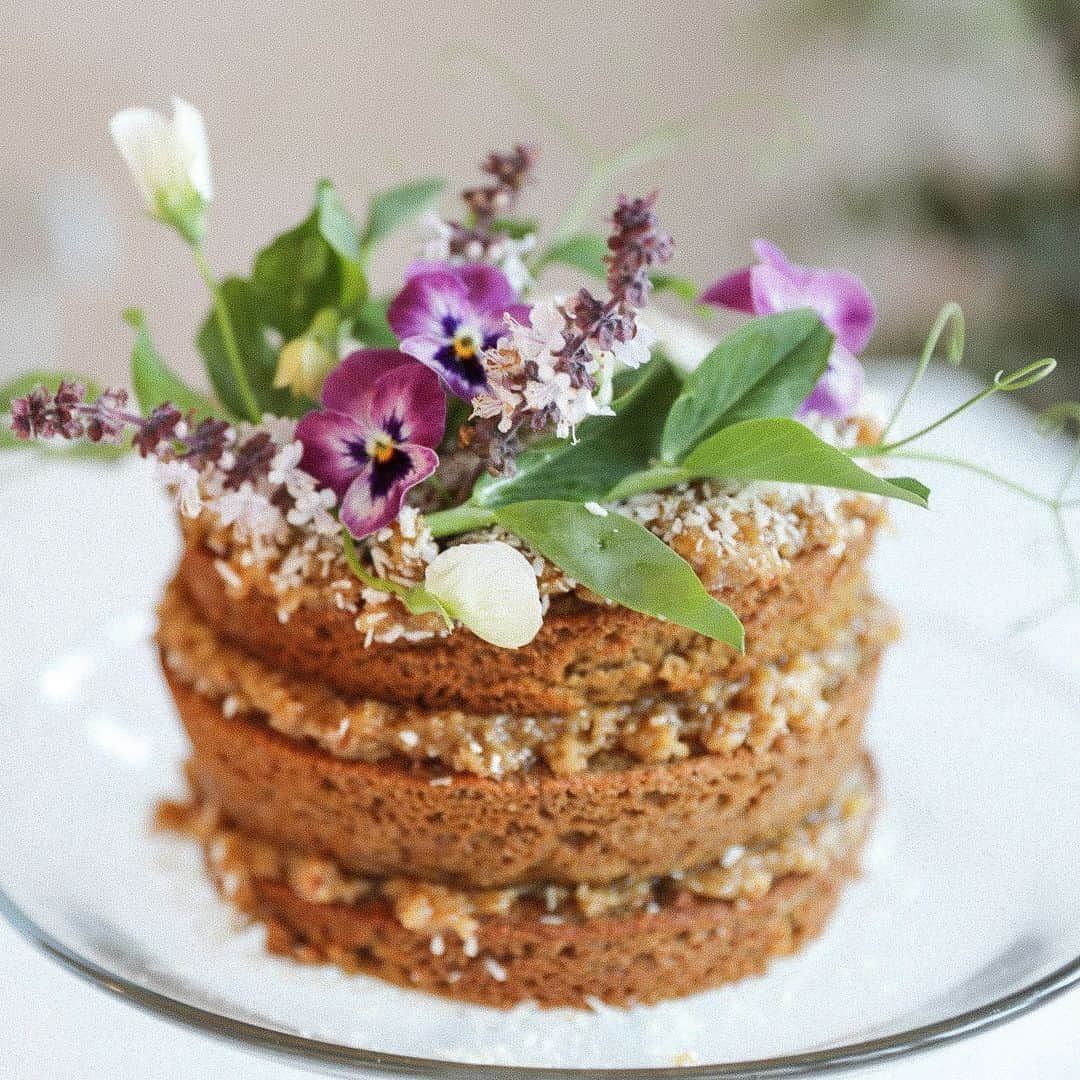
[
  {"x": 170, "y": 162},
  {"x": 491, "y": 588}
]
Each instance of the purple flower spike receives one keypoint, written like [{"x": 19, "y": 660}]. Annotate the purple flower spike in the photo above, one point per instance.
[
  {"x": 840, "y": 299},
  {"x": 373, "y": 440},
  {"x": 447, "y": 316}
]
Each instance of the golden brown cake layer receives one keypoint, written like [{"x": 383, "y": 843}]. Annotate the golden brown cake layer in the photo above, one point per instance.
[
  {"x": 586, "y": 654},
  {"x": 789, "y": 691},
  {"x": 388, "y": 819},
  {"x": 621, "y": 960},
  {"x": 637, "y": 941}
]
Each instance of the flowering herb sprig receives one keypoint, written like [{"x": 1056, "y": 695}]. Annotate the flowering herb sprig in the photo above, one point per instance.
[
  {"x": 297, "y": 438},
  {"x": 556, "y": 369},
  {"x": 488, "y": 234},
  {"x": 487, "y": 203},
  {"x": 166, "y": 433}
]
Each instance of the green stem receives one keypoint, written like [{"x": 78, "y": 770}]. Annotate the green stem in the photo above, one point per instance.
[
  {"x": 352, "y": 557},
  {"x": 655, "y": 479},
  {"x": 949, "y": 313},
  {"x": 1070, "y": 472},
  {"x": 1056, "y": 505},
  {"x": 1020, "y": 379},
  {"x": 980, "y": 470},
  {"x": 228, "y": 337},
  {"x": 416, "y": 598},
  {"x": 881, "y": 449},
  {"x": 459, "y": 519}
]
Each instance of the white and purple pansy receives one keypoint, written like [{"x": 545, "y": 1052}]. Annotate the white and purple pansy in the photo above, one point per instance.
[
  {"x": 842, "y": 302},
  {"x": 448, "y": 316},
  {"x": 372, "y": 441}
]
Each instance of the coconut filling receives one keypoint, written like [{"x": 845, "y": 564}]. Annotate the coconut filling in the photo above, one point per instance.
[
  {"x": 787, "y": 694},
  {"x": 742, "y": 875}
]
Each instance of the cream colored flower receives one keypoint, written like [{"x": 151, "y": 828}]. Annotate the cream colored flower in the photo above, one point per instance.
[
  {"x": 169, "y": 160},
  {"x": 491, "y": 588},
  {"x": 303, "y": 365}
]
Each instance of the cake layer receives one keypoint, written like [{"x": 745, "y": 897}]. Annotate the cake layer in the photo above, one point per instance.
[
  {"x": 787, "y": 691},
  {"x": 594, "y": 826},
  {"x": 640, "y": 940},
  {"x": 586, "y": 654}
]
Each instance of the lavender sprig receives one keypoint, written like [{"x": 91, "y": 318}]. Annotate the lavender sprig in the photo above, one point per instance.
[
  {"x": 636, "y": 245},
  {"x": 545, "y": 374},
  {"x": 488, "y": 202},
  {"x": 166, "y": 433}
]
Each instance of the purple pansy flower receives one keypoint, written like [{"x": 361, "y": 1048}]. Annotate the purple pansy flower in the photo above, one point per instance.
[
  {"x": 447, "y": 316},
  {"x": 382, "y": 414},
  {"x": 840, "y": 299}
]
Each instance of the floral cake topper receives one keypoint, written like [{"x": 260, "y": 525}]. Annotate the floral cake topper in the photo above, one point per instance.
[{"x": 472, "y": 394}]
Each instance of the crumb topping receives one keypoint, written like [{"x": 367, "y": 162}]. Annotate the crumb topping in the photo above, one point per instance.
[{"x": 732, "y": 535}]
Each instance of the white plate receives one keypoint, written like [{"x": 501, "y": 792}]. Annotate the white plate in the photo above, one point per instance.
[{"x": 968, "y": 912}]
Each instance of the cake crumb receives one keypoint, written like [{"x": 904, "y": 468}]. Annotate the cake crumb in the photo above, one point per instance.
[{"x": 495, "y": 969}]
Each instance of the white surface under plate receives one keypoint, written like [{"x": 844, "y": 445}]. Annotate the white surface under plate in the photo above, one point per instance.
[{"x": 967, "y": 912}]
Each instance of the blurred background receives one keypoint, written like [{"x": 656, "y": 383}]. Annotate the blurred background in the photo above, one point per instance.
[{"x": 931, "y": 146}]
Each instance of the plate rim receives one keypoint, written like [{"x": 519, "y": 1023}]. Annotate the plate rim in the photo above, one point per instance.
[
  {"x": 303, "y": 1050},
  {"x": 346, "y": 1060}
]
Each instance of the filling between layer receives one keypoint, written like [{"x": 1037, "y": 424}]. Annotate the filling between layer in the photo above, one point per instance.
[
  {"x": 740, "y": 876},
  {"x": 784, "y": 694}
]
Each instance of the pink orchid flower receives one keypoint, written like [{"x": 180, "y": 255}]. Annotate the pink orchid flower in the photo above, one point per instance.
[{"x": 841, "y": 301}]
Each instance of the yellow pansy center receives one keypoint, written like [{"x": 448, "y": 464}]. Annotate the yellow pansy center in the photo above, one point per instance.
[
  {"x": 465, "y": 346},
  {"x": 380, "y": 449}
]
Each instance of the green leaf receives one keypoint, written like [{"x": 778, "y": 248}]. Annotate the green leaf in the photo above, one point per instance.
[
  {"x": 396, "y": 207},
  {"x": 31, "y": 380},
  {"x": 608, "y": 448},
  {"x": 336, "y": 225},
  {"x": 340, "y": 230},
  {"x": 317, "y": 265},
  {"x": 154, "y": 383},
  {"x": 786, "y": 451},
  {"x": 585, "y": 253},
  {"x": 765, "y": 368},
  {"x": 682, "y": 287},
  {"x": 624, "y": 562},
  {"x": 370, "y": 325},
  {"x": 909, "y": 483},
  {"x": 516, "y": 228},
  {"x": 259, "y": 359}
]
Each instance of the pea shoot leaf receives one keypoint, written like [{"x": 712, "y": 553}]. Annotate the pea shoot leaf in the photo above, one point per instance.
[
  {"x": 685, "y": 289},
  {"x": 153, "y": 381},
  {"x": 585, "y": 253},
  {"x": 607, "y": 448},
  {"x": 624, "y": 562},
  {"x": 765, "y": 368},
  {"x": 781, "y": 449},
  {"x": 317, "y": 265},
  {"x": 396, "y": 207}
]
